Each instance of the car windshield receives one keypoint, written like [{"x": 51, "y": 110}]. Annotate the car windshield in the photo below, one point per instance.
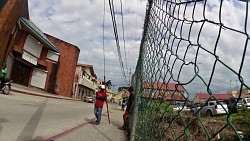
[{"x": 248, "y": 100}]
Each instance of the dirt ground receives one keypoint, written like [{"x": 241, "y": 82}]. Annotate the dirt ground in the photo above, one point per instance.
[{"x": 191, "y": 128}]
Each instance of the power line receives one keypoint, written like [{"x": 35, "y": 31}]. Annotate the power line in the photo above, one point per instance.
[
  {"x": 111, "y": 5},
  {"x": 124, "y": 46}
]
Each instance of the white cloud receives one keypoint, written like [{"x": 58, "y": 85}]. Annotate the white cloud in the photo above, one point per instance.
[
  {"x": 81, "y": 23},
  {"x": 212, "y": 33}
]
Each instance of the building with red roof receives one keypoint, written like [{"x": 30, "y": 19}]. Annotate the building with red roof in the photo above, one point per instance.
[
  {"x": 166, "y": 91},
  {"x": 202, "y": 97}
]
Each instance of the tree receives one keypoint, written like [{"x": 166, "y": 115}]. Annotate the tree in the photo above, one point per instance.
[{"x": 108, "y": 84}]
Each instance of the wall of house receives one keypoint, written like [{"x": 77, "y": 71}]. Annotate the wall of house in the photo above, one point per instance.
[
  {"x": 118, "y": 97},
  {"x": 66, "y": 66},
  {"x": 12, "y": 10},
  {"x": 87, "y": 69},
  {"x": 78, "y": 70},
  {"x": 83, "y": 85},
  {"x": 77, "y": 75},
  {"x": 196, "y": 99},
  {"x": 20, "y": 41},
  {"x": 244, "y": 94},
  {"x": 83, "y": 91},
  {"x": 52, "y": 68}
]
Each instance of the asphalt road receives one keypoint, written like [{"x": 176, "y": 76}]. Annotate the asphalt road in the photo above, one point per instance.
[{"x": 24, "y": 117}]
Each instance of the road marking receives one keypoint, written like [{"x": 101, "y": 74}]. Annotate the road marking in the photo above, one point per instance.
[{"x": 68, "y": 131}]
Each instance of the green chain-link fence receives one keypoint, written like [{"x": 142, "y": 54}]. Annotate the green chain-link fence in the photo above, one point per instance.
[{"x": 190, "y": 47}]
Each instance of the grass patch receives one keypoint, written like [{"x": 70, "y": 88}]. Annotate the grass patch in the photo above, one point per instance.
[{"x": 240, "y": 120}]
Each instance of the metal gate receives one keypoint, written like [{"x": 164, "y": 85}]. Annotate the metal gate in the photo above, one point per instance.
[
  {"x": 20, "y": 73},
  {"x": 38, "y": 78}
]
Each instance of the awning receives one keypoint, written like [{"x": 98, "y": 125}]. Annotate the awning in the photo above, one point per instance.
[{"x": 32, "y": 29}]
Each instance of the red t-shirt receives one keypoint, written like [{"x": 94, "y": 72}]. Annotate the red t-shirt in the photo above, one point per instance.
[{"x": 100, "y": 98}]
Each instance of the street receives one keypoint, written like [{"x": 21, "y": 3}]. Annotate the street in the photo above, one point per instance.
[{"x": 25, "y": 117}]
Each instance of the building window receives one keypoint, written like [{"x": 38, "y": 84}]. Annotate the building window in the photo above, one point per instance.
[{"x": 2, "y": 3}]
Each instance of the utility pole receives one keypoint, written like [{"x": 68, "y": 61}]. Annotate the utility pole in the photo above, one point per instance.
[
  {"x": 236, "y": 85},
  {"x": 230, "y": 85},
  {"x": 129, "y": 76}
]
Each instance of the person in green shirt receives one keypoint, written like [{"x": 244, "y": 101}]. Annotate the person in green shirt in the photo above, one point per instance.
[{"x": 3, "y": 74}]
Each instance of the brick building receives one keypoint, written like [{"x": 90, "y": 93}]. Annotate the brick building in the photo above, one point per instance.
[
  {"x": 30, "y": 55},
  {"x": 32, "y": 59},
  {"x": 10, "y": 11},
  {"x": 66, "y": 66}
]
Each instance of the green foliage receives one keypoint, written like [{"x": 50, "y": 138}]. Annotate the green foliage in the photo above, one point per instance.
[
  {"x": 162, "y": 107},
  {"x": 242, "y": 121}
]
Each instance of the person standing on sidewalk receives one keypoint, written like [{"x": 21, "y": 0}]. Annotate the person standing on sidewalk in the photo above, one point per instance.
[
  {"x": 101, "y": 96},
  {"x": 129, "y": 109},
  {"x": 123, "y": 104}
]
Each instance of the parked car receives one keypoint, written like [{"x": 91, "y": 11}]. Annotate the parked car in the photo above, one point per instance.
[
  {"x": 231, "y": 102},
  {"x": 244, "y": 102},
  {"x": 181, "y": 107},
  {"x": 194, "y": 108},
  {"x": 88, "y": 99},
  {"x": 211, "y": 108}
]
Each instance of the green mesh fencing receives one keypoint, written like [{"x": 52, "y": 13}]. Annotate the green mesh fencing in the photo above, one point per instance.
[{"x": 192, "y": 47}]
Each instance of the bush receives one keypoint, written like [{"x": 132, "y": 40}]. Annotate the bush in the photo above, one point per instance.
[
  {"x": 162, "y": 107},
  {"x": 156, "y": 105},
  {"x": 242, "y": 121}
]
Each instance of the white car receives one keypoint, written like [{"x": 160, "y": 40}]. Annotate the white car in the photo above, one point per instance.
[
  {"x": 232, "y": 102},
  {"x": 181, "y": 107},
  {"x": 194, "y": 108},
  {"x": 211, "y": 108},
  {"x": 88, "y": 99},
  {"x": 245, "y": 102}
]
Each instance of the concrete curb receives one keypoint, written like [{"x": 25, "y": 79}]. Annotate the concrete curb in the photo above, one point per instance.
[{"x": 47, "y": 96}]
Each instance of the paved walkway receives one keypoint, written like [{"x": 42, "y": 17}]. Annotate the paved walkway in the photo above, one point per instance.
[
  {"x": 106, "y": 131},
  {"x": 37, "y": 92}
]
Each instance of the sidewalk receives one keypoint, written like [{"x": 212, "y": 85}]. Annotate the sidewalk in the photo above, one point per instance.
[
  {"x": 36, "y": 92},
  {"x": 102, "y": 132},
  {"x": 85, "y": 131}
]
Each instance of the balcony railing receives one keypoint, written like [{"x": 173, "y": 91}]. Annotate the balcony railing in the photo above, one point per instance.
[{"x": 87, "y": 83}]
